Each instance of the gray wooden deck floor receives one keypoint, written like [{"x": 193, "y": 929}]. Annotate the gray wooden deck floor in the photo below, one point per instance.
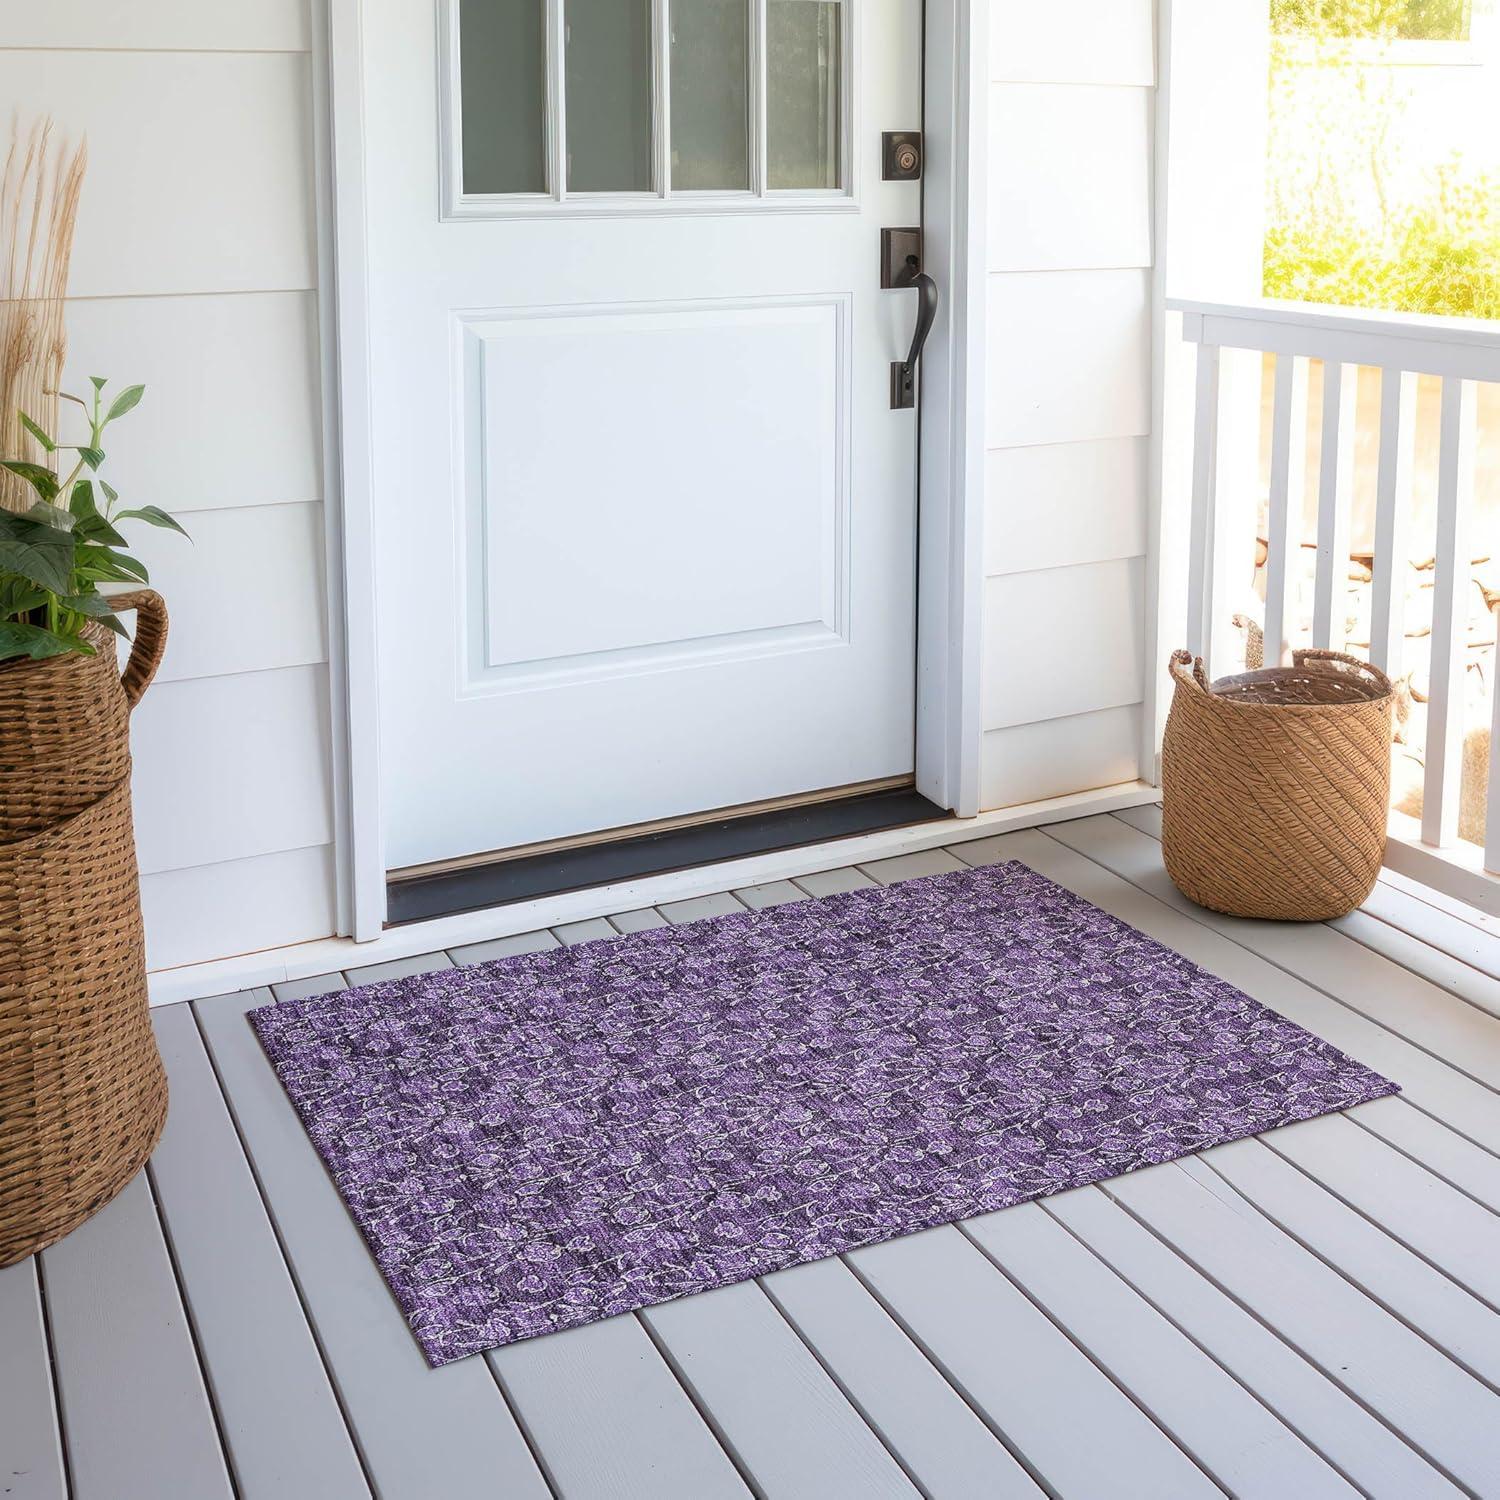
[{"x": 1310, "y": 1314}]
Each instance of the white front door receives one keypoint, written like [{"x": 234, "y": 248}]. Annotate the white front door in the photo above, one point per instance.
[{"x": 645, "y": 518}]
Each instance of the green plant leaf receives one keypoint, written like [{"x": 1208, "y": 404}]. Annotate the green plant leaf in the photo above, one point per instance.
[
  {"x": 155, "y": 515},
  {"x": 18, "y": 597},
  {"x": 101, "y": 564},
  {"x": 92, "y": 526},
  {"x": 19, "y": 639},
  {"x": 110, "y": 492},
  {"x": 51, "y": 515},
  {"x": 39, "y": 553},
  {"x": 91, "y": 604},
  {"x": 37, "y": 432},
  {"x": 127, "y": 400},
  {"x": 93, "y": 457},
  {"x": 43, "y": 481},
  {"x": 96, "y": 607},
  {"x": 98, "y": 382}
]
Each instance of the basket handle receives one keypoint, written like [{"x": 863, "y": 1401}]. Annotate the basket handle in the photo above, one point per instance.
[
  {"x": 150, "y": 640},
  {"x": 1178, "y": 664},
  {"x": 1319, "y": 654}
]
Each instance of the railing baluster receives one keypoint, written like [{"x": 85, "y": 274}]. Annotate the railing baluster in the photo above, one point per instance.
[
  {"x": 1201, "y": 570},
  {"x": 1284, "y": 526},
  {"x": 1335, "y": 503},
  {"x": 1450, "y": 616},
  {"x": 1398, "y": 426},
  {"x": 1492, "y": 810}
]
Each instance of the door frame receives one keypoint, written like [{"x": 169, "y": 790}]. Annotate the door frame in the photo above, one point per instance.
[{"x": 950, "y": 565}]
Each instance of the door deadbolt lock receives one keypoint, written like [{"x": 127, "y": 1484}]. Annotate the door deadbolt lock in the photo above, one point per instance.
[{"x": 901, "y": 152}]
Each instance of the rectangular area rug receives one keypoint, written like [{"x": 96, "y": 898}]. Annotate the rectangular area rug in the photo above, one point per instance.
[{"x": 542, "y": 1141}]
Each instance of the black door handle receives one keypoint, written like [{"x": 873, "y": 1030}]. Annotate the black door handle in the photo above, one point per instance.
[{"x": 904, "y": 372}]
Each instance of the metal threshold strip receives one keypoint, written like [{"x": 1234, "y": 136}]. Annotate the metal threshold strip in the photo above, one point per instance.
[{"x": 422, "y": 893}]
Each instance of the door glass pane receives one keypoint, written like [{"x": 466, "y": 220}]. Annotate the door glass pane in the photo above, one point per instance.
[
  {"x": 502, "y": 95},
  {"x": 710, "y": 94},
  {"x": 608, "y": 99},
  {"x": 803, "y": 83}
]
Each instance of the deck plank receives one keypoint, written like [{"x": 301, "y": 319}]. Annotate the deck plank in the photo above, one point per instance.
[
  {"x": 1362, "y": 1253},
  {"x": 1471, "y": 1169},
  {"x": 610, "y": 1420},
  {"x": 1419, "y": 934},
  {"x": 506, "y": 947},
  {"x": 776, "y": 893},
  {"x": 422, "y": 1432},
  {"x": 398, "y": 968},
  {"x": 1120, "y": 882},
  {"x": 774, "y": 1407},
  {"x": 910, "y": 866},
  {"x": 1404, "y": 1003},
  {"x": 642, "y": 919},
  {"x": 1443, "y": 1227},
  {"x": 259, "y": 1353},
  {"x": 1246, "y": 1448},
  {"x": 1474, "y": 944},
  {"x": 1031, "y": 1382},
  {"x": 1445, "y": 1413},
  {"x": 306, "y": 989},
  {"x": 1470, "y": 984},
  {"x": 570, "y": 934},
  {"x": 135, "y": 1413},
  {"x": 31, "y": 1461},
  {"x": 833, "y": 882},
  {"x": 1328, "y": 1419},
  {"x": 697, "y": 908},
  {"x": 943, "y": 1443}
]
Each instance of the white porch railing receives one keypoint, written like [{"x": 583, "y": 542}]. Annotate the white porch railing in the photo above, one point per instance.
[{"x": 1312, "y": 460}]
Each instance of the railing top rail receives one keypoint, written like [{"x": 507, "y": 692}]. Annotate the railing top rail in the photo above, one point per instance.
[
  {"x": 1468, "y": 348},
  {"x": 1480, "y": 331}
]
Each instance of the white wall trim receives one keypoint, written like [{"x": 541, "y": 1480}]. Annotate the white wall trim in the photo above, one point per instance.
[
  {"x": 1159, "y": 620},
  {"x": 951, "y": 514},
  {"x": 950, "y": 545},
  {"x": 360, "y": 855},
  {"x": 298, "y": 961}
]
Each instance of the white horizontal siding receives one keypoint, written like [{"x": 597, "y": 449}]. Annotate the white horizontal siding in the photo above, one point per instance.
[
  {"x": 1068, "y": 383},
  {"x": 275, "y": 615},
  {"x": 200, "y": 165},
  {"x": 1096, "y": 212},
  {"x": 1069, "y": 356},
  {"x": 241, "y": 906},
  {"x": 194, "y": 273},
  {"x": 1083, "y": 41},
  {"x": 230, "y": 415},
  {"x": 1063, "y": 641},
  {"x": 175, "y": 25},
  {"x": 1053, "y": 504},
  {"x": 1026, "y": 762},
  {"x": 231, "y": 767}
]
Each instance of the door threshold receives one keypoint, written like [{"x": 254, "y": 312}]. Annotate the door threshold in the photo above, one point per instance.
[
  {"x": 216, "y": 976},
  {"x": 556, "y": 871}
]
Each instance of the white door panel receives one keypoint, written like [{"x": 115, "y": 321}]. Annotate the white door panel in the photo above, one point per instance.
[{"x": 646, "y": 523}]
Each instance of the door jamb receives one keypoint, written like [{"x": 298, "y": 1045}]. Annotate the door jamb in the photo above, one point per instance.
[{"x": 950, "y": 571}]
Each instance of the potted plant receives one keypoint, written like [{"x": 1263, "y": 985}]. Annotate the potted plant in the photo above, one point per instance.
[{"x": 82, "y": 1090}]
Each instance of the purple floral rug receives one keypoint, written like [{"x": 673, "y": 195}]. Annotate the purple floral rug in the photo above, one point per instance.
[{"x": 550, "y": 1139}]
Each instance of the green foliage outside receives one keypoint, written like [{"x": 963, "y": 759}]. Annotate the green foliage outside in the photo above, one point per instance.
[
  {"x": 1440, "y": 256},
  {"x": 1415, "y": 20},
  {"x": 1338, "y": 228}
]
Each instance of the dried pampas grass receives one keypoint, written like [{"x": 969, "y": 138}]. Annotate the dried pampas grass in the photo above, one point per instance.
[{"x": 38, "y": 211}]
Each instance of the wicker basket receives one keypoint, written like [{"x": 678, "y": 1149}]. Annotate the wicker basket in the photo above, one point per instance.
[
  {"x": 83, "y": 1095},
  {"x": 1276, "y": 786}
]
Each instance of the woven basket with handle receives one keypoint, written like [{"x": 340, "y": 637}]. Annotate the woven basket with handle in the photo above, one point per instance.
[
  {"x": 83, "y": 1095},
  {"x": 1276, "y": 786}
]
